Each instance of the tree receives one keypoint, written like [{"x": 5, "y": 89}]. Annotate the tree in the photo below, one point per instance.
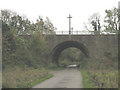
[
  {"x": 7, "y": 15},
  {"x": 94, "y": 23},
  {"x": 71, "y": 55},
  {"x": 46, "y": 27},
  {"x": 111, "y": 20},
  {"x": 49, "y": 25},
  {"x": 21, "y": 24},
  {"x": 11, "y": 42},
  {"x": 17, "y": 50},
  {"x": 38, "y": 50},
  {"x": 40, "y": 24}
]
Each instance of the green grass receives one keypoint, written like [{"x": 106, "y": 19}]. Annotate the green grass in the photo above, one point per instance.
[
  {"x": 40, "y": 80},
  {"x": 87, "y": 83},
  {"x": 23, "y": 78},
  {"x": 99, "y": 78}
]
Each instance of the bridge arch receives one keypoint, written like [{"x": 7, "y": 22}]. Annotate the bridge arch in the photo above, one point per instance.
[{"x": 67, "y": 44}]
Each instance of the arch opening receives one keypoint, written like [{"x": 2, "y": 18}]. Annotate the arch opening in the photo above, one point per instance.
[{"x": 67, "y": 44}]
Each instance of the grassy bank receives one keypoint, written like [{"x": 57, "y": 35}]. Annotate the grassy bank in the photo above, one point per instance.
[
  {"x": 100, "y": 78},
  {"x": 40, "y": 80},
  {"x": 24, "y": 78},
  {"x": 87, "y": 83}
]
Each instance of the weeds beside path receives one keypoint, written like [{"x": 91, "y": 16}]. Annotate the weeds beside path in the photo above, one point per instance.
[
  {"x": 100, "y": 78},
  {"x": 24, "y": 78}
]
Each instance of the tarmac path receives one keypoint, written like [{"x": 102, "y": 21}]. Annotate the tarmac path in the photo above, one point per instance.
[{"x": 68, "y": 78}]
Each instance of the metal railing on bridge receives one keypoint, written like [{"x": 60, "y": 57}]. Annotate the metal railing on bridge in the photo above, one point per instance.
[
  {"x": 73, "y": 32},
  {"x": 70, "y": 33},
  {"x": 80, "y": 32}
]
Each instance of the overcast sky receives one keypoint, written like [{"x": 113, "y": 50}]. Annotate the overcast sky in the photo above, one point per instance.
[{"x": 58, "y": 10}]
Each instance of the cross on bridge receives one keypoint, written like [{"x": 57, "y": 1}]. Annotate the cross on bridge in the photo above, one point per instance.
[{"x": 69, "y": 23}]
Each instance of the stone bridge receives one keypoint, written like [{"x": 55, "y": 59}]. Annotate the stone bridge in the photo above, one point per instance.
[{"x": 93, "y": 46}]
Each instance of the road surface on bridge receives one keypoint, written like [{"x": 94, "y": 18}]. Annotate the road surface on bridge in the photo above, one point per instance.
[{"x": 68, "y": 78}]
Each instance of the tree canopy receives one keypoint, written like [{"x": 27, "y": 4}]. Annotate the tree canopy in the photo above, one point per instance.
[
  {"x": 109, "y": 24},
  {"x": 18, "y": 50}
]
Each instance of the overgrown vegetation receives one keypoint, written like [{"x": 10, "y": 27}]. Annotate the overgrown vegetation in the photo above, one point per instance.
[
  {"x": 102, "y": 75},
  {"x": 100, "y": 78},
  {"x": 27, "y": 77},
  {"x": 23, "y": 59},
  {"x": 103, "y": 72},
  {"x": 99, "y": 72},
  {"x": 71, "y": 56},
  {"x": 87, "y": 83},
  {"x": 109, "y": 24}
]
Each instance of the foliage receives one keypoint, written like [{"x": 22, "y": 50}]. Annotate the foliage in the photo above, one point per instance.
[
  {"x": 101, "y": 72},
  {"x": 71, "y": 56},
  {"x": 45, "y": 27},
  {"x": 23, "y": 78},
  {"x": 100, "y": 78},
  {"x": 94, "y": 23},
  {"x": 87, "y": 83},
  {"x": 17, "y": 50},
  {"x": 38, "y": 49},
  {"x": 11, "y": 42},
  {"x": 100, "y": 63},
  {"x": 23, "y": 25},
  {"x": 111, "y": 20},
  {"x": 23, "y": 59},
  {"x": 19, "y": 23},
  {"x": 49, "y": 25}
]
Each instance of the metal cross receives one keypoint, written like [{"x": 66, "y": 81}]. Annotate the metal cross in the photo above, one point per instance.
[{"x": 69, "y": 23}]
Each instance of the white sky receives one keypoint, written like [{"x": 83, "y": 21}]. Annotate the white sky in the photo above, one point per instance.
[{"x": 58, "y": 10}]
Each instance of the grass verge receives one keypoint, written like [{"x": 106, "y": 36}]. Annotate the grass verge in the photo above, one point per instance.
[
  {"x": 40, "y": 80},
  {"x": 87, "y": 83},
  {"x": 23, "y": 78},
  {"x": 100, "y": 78}
]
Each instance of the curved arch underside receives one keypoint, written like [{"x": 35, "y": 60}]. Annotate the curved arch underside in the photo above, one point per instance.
[{"x": 60, "y": 47}]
